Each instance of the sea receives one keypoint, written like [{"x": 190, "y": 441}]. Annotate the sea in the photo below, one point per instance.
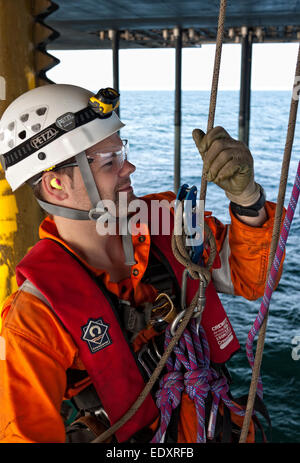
[{"x": 149, "y": 119}]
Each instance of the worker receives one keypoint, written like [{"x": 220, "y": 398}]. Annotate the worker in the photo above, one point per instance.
[{"x": 82, "y": 330}]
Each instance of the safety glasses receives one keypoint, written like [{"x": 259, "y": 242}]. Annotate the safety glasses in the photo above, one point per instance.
[
  {"x": 116, "y": 158},
  {"x": 110, "y": 160}
]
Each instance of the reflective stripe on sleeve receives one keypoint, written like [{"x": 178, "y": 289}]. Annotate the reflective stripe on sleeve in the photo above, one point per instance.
[{"x": 222, "y": 276}]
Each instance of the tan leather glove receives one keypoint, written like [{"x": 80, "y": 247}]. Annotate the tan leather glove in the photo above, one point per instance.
[{"x": 229, "y": 164}]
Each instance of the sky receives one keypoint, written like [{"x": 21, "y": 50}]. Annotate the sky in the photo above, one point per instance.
[{"x": 273, "y": 67}]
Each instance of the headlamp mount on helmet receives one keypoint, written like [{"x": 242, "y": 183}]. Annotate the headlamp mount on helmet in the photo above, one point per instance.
[{"x": 105, "y": 102}]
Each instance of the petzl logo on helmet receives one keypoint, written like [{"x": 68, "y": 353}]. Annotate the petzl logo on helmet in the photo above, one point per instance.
[
  {"x": 43, "y": 138},
  {"x": 95, "y": 333},
  {"x": 66, "y": 122}
]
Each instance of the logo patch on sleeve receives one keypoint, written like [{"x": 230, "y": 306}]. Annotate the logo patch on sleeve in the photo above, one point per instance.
[{"x": 95, "y": 333}]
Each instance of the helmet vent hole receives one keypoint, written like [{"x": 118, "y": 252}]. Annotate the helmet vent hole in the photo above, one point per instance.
[
  {"x": 42, "y": 156},
  {"x": 22, "y": 134},
  {"x": 24, "y": 117},
  {"x": 11, "y": 126},
  {"x": 1, "y": 136},
  {"x": 11, "y": 143},
  {"x": 41, "y": 111},
  {"x": 36, "y": 127}
]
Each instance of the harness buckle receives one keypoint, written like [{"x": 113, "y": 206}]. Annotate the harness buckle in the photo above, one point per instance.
[{"x": 163, "y": 312}]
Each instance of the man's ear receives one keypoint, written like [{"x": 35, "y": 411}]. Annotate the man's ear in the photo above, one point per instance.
[{"x": 54, "y": 185}]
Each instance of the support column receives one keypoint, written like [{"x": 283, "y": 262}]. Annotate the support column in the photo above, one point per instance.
[
  {"x": 245, "y": 87},
  {"x": 177, "y": 119},
  {"x": 20, "y": 215},
  {"x": 114, "y": 36}
]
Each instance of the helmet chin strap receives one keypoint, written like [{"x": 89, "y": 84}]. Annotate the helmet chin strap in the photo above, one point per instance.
[{"x": 97, "y": 210}]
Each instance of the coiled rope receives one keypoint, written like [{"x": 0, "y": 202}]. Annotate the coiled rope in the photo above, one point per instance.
[{"x": 191, "y": 372}]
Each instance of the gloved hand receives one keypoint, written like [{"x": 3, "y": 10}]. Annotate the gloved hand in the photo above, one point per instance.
[{"x": 229, "y": 164}]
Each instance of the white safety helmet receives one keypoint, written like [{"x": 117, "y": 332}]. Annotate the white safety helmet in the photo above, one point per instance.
[{"x": 51, "y": 124}]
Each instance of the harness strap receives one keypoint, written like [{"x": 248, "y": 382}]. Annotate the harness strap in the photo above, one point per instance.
[{"x": 88, "y": 180}]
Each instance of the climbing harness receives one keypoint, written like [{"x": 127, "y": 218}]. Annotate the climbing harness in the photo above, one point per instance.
[{"x": 190, "y": 310}]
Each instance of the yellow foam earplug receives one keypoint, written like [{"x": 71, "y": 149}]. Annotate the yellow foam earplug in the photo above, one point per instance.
[{"x": 55, "y": 183}]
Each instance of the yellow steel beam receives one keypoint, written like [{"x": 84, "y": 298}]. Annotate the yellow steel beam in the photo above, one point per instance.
[{"x": 20, "y": 215}]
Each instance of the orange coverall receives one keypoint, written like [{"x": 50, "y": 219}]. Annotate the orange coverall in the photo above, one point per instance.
[{"x": 39, "y": 351}]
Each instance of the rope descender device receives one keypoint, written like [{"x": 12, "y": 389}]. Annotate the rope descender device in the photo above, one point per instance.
[
  {"x": 105, "y": 101},
  {"x": 187, "y": 197}
]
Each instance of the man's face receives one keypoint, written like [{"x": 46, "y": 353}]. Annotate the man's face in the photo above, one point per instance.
[{"x": 112, "y": 176}]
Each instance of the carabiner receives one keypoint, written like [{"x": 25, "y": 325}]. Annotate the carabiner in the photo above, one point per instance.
[
  {"x": 183, "y": 302},
  {"x": 201, "y": 300},
  {"x": 183, "y": 288},
  {"x": 198, "y": 310},
  {"x": 176, "y": 320}
]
